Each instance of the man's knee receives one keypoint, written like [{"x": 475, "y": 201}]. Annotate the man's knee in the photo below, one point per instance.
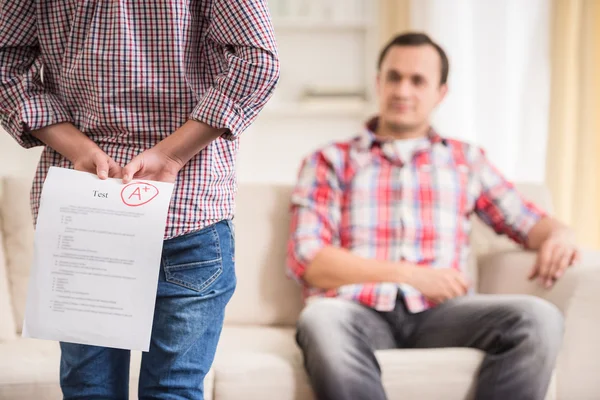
[
  {"x": 331, "y": 328},
  {"x": 337, "y": 356},
  {"x": 327, "y": 316},
  {"x": 537, "y": 321}
]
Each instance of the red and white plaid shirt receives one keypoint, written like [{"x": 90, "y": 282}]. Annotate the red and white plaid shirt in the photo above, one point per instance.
[
  {"x": 129, "y": 73},
  {"x": 359, "y": 195}
]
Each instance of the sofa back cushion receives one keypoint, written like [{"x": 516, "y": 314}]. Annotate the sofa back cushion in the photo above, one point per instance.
[
  {"x": 8, "y": 328},
  {"x": 17, "y": 226},
  {"x": 264, "y": 294}
]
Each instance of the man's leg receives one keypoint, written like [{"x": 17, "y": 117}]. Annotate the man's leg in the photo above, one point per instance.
[
  {"x": 90, "y": 372},
  {"x": 196, "y": 281},
  {"x": 338, "y": 339},
  {"x": 520, "y": 334}
]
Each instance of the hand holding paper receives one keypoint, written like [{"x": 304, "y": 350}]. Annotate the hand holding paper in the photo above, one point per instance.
[{"x": 97, "y": 254}]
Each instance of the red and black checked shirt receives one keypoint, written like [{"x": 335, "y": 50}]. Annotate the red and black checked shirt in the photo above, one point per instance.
[
  {"x": 129, "y": 73},
  {"x": 359, "y": 195}
]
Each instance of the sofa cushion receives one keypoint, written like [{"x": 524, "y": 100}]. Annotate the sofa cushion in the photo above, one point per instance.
[
  {"x": 261, "y": 363},
  {"x": 7, "y": 321},
  {"x": 29, "y": 369},
  {"x": 15, "y": 215},
  {"x": 264, "y": 295}
]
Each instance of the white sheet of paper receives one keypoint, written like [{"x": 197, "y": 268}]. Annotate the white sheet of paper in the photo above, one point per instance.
[{"x": 96, "y": 260}]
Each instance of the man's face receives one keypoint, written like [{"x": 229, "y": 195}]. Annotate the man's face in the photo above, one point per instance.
[{"x": 408, "y": 86}]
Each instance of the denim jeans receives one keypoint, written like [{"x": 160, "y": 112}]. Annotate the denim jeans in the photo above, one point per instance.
[
  {"x": 196, "y": 280},
  {"x": 521, "y": 336}
]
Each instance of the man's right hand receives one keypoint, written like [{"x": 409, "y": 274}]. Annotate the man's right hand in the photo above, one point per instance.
[
  {"x": 95, "y": 161},
  {"x": 84, "y": 154},
  {"x": 438, "y": 285}
]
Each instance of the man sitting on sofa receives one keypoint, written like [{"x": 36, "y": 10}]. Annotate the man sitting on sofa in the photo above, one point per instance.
[{"x": 380, "y": 243}]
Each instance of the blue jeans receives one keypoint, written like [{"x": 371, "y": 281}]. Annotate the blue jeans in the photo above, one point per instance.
[{"x": 196, "y": 281}]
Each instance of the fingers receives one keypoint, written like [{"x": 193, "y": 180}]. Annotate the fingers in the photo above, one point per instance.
[
  {"x": 114, "y": 169},
  {"x": 455, "y": 285},
  {"x": 544, "y": 262},
  {"x": 563, "y": 263},
  {"x": 457, "y": 289},
  {"x": 101, "y": 162},
  {"x": 552, "y": 262},
  {"x": 547, "y": 276},
  {"x": 576, "y": 259},
  {"x": 535, "y": 269},
  {"x": 570, "y": 257},
  {"x": 463, "y": 282},
  {"x": 132, "y": 168}
]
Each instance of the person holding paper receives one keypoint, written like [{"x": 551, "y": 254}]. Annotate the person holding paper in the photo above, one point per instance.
[{"x": 160, "y": 91}]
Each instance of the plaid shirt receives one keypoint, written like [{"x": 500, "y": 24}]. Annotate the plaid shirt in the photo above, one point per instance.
[
  {"x": 129, "y": 73},
  {"x": 359, "y": 195}
]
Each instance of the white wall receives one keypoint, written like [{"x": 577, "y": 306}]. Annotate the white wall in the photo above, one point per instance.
[
  {"x": 327, "y": 53},
  {"x": 499, "y": 86},
  {"x": 271, "y": 151}
]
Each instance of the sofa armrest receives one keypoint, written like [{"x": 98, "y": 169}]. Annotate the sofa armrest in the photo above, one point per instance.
[{"x": 577, "y": 295}]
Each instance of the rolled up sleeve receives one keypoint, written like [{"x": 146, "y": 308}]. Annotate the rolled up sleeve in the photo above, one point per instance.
[
  {"x": 315, "y": 214},
  {"x": 501, "y": 206},
  {"x": 25, "y": 104},
  {"x": 242, "y": 33}
]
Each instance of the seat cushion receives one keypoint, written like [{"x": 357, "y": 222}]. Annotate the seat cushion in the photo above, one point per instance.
[
  {"x": 29, "y": 369},
  {"x": 260, "y": 363},
  {"x": 265, "y": 363}
]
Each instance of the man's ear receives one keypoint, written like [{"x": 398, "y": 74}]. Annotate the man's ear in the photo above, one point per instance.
[{"x": 443, "y": 90}]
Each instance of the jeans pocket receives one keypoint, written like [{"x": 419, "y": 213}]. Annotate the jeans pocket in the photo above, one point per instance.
[{"x": 194, "y": 261}]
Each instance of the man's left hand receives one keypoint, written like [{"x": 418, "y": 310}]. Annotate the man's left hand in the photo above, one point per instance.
[
  {"x": 153, "y": 164},
  {"x": 557, "y": 253}
]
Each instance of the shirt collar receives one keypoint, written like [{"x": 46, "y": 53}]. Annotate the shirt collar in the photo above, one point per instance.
[{"x": 368, "y": 136}]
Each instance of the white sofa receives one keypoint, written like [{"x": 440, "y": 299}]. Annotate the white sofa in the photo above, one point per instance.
[{"x": 257, "y": 356}]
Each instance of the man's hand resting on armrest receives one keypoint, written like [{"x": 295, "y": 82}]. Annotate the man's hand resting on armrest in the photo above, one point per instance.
[
  {"x": 334, "y": 267},
  {"x": 557, "y": 250}
]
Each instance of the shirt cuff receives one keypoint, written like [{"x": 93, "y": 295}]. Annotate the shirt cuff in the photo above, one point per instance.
[
  {"x": 219, "y": 111},
  {"x": 35, "y": 113},
  {"x": 534, "y": 215}
]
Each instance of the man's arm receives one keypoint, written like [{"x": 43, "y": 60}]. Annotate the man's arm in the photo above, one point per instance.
[
  {"x": 543, "y": 230},
  {"x": 556, "y": 247},
  {"x": 29, "y": 112},
  {"x": 333, "y": 267},
  {"x": 25, "y": 104},
  {"x": 503, "y": 208},
  {"x": 241, "y": 32},
  {"x": 314, "y": 252}
]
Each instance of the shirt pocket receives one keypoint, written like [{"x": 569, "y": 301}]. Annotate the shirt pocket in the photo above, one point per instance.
[{"x": 194, "y": 261}]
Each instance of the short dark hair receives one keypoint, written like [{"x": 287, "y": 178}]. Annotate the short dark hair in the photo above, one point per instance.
[{"x": 417, "y": 39}]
